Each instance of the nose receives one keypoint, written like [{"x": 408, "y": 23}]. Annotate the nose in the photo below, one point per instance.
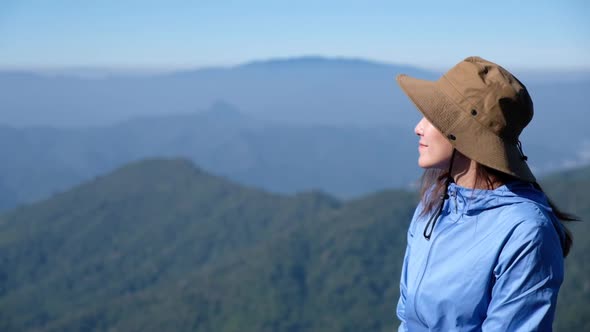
[{"x": 419, "y": 129}]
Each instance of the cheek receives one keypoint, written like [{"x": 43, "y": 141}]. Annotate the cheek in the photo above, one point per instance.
[
  {"x": 444, "y": 147},
  {"x": 439, "y": 153}
]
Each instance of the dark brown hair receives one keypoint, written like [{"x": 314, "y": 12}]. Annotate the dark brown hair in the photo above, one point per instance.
[{"x": 432, "y": 187}]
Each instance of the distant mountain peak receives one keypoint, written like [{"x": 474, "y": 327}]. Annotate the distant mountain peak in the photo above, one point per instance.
[
  {"x": 222, "y": 110},
  {"x": 310, "y": 61},
  {"x": 136, "y": 174},
  {"x": 179, "y": 164},
  {"x": 221, "y": 106}
]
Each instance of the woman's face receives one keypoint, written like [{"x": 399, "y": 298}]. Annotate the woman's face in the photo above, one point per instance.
[{"x": 435, "y": 150}]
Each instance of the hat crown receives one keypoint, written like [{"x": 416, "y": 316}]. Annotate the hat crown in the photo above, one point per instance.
[{"x": 501, "y": 101}]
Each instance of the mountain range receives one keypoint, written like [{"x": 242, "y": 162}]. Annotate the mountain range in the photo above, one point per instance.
[
  {"x": 341, "y": 126},
  {"x": 286, "y": 125},
  {"x": 345, "y": 161},
  {"x": 308, "y": 90}
]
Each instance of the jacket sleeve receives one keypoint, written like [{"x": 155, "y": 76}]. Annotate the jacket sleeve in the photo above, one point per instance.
[{"x": 527, "y": 278}]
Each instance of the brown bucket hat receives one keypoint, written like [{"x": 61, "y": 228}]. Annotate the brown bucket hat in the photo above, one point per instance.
[{"x": 481, "y": 108}]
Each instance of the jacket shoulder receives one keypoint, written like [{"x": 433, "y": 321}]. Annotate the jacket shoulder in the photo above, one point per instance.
[
  {"x": 531, "y": 222},
  {"x": 527, "y": 214}
]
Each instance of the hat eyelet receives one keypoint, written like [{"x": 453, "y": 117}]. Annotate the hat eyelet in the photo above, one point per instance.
[
  {"x": 451, "y": 137},
  {"x": 474, "y": 112}
]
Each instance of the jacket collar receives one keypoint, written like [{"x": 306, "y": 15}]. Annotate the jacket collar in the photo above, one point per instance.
[{"x": 470, "y": 201}]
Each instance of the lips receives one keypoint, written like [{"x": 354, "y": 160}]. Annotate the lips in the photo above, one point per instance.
[{"x": 421, "y": 146}]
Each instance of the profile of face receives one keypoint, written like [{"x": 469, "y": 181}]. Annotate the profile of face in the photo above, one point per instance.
[{"x": 435, "y": 150}]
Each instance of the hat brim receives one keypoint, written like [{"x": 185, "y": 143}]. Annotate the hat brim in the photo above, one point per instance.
[{"x": 471, "y": 138}]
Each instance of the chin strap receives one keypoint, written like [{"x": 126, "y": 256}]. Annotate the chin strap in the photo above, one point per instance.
[
  {"x": 522, "y": 155},
  {"x": 432, "y": 221}
]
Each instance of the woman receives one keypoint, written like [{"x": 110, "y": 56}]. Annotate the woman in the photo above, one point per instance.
[{"x": 485, "y": 246}]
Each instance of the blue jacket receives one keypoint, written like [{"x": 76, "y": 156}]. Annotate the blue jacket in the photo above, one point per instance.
[{"x": 494, "y": 263}]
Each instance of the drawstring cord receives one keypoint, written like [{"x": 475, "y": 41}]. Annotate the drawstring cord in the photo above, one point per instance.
[
  {"x": 522, "y": 155},
  {"x": 432, "y": 221}
]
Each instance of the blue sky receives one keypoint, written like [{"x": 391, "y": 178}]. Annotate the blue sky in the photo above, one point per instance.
[{"x": 187, "y": 34}]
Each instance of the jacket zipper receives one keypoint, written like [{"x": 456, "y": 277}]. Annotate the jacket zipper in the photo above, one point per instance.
[{"x": 421, "y": 319}]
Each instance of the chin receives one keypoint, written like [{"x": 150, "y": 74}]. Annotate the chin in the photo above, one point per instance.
[{"x": 425, "y": 163}]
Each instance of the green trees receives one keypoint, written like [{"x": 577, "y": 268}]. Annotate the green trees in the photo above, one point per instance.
[{"x": 160, "y": 245}]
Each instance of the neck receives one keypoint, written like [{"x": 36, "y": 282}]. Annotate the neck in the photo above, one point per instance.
[{"x": 465, "y": 174}]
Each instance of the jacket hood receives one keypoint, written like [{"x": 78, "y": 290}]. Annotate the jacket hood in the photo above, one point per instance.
[{"x": 472, "y": 201}]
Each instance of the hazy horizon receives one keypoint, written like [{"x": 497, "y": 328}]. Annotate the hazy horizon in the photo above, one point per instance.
[
  {"x": 98, "y": 71},
  {"x": 180, "y": 35}
]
